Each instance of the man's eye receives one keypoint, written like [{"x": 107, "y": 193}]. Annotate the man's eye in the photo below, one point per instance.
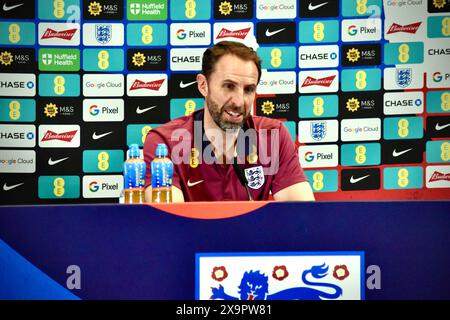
[
  {"x": 250, "y": 90},
  {"x": 229, "y": 86}
]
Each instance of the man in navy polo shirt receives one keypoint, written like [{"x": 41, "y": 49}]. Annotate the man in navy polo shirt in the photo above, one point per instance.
[{"x": 222, "y": 152}]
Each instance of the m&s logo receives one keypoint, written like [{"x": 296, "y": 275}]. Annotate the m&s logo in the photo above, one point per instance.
[{"x": 93, "y": 186}]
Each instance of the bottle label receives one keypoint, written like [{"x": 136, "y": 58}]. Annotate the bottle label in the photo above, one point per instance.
[
  {"x": 134, "y": 174},
  {"x": 162, "y": 172}
]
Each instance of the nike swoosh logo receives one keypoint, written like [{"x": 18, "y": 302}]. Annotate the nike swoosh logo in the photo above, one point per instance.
[
  {"x": 96, "y": 137},
  {"x": 7, "y": 188},
  {"x": 6, "y": 8},
  {"x": 191, "y": 184},
  {"x": 438, "y": 127},
  {"x": 396, "y": 154},
  {"x": 53, "y": 162},
  {"x": 312, "y": 8},
  {"x": 353, "y": 180},
  {"x": 271, "y": 33},
  {"x": 139, "y": 110},
  {"x": 185, "y": 85}
]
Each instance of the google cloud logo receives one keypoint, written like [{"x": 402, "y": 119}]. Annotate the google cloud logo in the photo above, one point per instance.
[
  {"x": 93, "y": 110},
  {"x": 93, "y": 186},
  {"x": 352, "y": 30},
  {"x": 181, "y": 34},
  {"x": 309, "y": 156}
]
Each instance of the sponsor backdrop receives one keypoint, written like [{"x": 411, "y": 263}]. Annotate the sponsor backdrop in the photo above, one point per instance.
[{"x": 362, "y": 85}]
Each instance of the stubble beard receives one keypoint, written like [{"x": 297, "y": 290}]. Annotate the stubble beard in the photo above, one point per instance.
[{"x": 217, "y": 112}]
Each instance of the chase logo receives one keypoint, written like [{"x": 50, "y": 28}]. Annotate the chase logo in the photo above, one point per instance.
[
  {"x": 279, "y": 58},
  {"x": 186, "y": 59},
  {"x": 397, "y": 128},
  {"x": 361, "y": 154},
  {"x": 184, "y": 107},
  {"x": 318, "y": 56},
  {"x": 323, "y": 180},
  {"x": 147, "y": 34},
  {"x": 17, "y": 84},
  {"x": 108, "y": 110},
  {"x": 17, "y": 135},
  {"x": 318, "y": 31},
  {"x": 136, "y": 133},
  {"x": 59, "y": 85},
  {"x": 151, "y": 10},
  {"x": 190, "y": 10},
  {"x": 98, "y": 34},
  {"x": 438, "y": 101},
  {"x": 318, "y": 131},
  {"x": 318, "y": 106},
  {"x": 146, "y": 59},
  {"x": 318, "y": 156},
  {"x": 236, "y": 9},
  {"x": 58, "y": 187},
  {"x": 17, "y": 110},
  {"x": 403, "y": 178},
  {"x": 365, "y": 8},
  {"x": 103, "y": 60},
  {"x": 361, "y": 55},
  {"x": 103, "y": 161},
  {"x": 68, "y": 10},
  {"x": 403, "y": 103},
  {"x": 104, "y": 186},
  {"x": 361, "y": 30},
  {"x": 361, "y": 79},
  {"x": 438, "y": 151},
  {"x": 17, "y": 33},
  {"x": 102, "y": 10},
  {"x": 402, "y": 53}
]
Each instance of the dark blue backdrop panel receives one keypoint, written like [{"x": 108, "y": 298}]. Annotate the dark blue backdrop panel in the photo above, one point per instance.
[{"x": 131, "y": 252}]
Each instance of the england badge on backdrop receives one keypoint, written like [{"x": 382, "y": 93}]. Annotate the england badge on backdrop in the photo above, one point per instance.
[{"x": 280, "y": 276}]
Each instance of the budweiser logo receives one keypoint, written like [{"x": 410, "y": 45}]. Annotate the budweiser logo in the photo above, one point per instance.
[
  {"x": 66, "y": 34},
  {"x": 65, "y": 136},
  {"x": 437, "y": 176},
  {"x": 409, "y": 28},
  {"x": 240, "y": 34},
  {"x": 152, "y": 85},
  {"x": 324, "y": 82}
]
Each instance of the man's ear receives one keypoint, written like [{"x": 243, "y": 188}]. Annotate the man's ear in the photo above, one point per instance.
[{"x": 202, "y": 84}]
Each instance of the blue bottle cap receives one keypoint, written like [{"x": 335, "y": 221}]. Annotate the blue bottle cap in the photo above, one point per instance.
[
  {"x": 134, "y": 150},
  {"x": 161, "y": 150}
]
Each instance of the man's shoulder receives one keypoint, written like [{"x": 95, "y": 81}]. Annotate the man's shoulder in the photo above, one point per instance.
[{"x": 258, "y": 122}]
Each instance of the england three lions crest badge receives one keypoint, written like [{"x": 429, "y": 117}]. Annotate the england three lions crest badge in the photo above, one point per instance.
[{"x": 255, "y": 177}]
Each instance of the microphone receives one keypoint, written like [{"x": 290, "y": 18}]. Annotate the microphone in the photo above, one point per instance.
[{"x": 241, "y": 175}]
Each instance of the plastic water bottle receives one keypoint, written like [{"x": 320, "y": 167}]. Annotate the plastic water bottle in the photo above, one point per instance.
[
  {"x": 162, "y": 172},
  {"x": 134, "y": 176}
]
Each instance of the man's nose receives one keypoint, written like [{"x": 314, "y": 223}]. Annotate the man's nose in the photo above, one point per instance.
[{"x": 237, "y": 98}]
